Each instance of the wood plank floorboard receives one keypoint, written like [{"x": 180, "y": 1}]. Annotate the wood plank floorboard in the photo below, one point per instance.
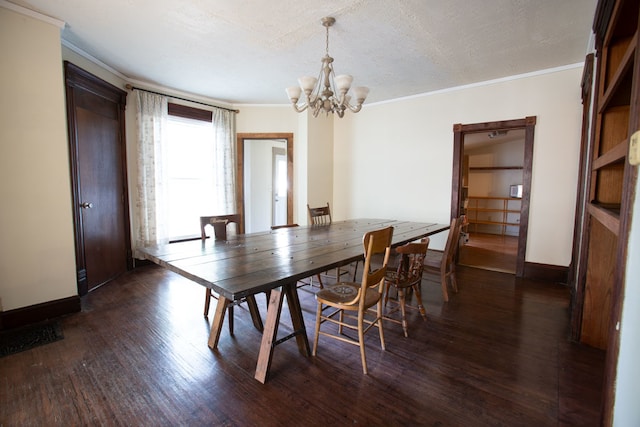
[{"x": 497, "y": 354}]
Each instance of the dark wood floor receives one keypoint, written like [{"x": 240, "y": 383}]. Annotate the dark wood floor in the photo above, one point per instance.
[{"x": 497, "y": 354}]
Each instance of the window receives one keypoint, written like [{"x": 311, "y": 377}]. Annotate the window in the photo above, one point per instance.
[{"x": 190, "y": 172}]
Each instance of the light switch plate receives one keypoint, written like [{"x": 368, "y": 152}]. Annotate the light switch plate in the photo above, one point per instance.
[{"x": 634, "y": 149}]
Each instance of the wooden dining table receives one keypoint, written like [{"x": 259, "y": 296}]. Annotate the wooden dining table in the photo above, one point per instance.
[{"x": 274, "y": 261}]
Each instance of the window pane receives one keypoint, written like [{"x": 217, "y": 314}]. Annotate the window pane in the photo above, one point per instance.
[{"x": 191, "y": 177}]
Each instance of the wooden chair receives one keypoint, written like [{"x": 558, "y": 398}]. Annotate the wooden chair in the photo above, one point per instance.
[
  {"x": 322, "y": 216},
  {"x": 355, "y": 300},
  {"x": 219, "y": 224},
  {"x": 406, "y": 276},
  {"x": 444, "y": 265}
]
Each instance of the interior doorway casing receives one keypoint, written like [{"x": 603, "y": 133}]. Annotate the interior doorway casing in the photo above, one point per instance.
[
  {"x": 459, "y": 131},
  {"x": 240, "y": 196}
]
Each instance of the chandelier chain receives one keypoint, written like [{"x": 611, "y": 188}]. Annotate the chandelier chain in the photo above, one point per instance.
[{"x": 327, "y": 49}]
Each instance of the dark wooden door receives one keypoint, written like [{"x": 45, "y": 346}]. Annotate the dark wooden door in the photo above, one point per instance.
[{"x": 96, "y": 135}]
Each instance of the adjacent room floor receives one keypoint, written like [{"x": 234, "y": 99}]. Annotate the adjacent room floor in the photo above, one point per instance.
[{"x": 490, "y": 251}]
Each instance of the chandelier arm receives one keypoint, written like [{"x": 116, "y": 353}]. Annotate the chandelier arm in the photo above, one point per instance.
[
  {"x": 315, "y": 111},
  {"x": 354, "y": 109},
  {"x": 301, "y": 108}
]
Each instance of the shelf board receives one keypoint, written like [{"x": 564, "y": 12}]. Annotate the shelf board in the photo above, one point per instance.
[
  {"x": 479, "y": 221},
  {"x": 492, "y": 210},
  {"x": 494, "y": 198},
  {"x": 494, "y": 168},
  {"x": 607, "y": 215},
  {"x": 615, "y": 155},
  {"x": 484, "y": 210}
]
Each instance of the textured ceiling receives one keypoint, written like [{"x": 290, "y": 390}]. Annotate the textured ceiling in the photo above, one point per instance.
[{"x": 247, "y": 52}]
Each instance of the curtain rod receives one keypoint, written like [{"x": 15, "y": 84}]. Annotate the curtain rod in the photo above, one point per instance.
[{"x": 130, "y": 87}]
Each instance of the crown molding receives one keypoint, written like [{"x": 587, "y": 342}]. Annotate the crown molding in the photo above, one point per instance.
[
  {"x": 32, "y": 14},
  {"x": 92, "y": 58},
  {"x": 485, "y": 83}
]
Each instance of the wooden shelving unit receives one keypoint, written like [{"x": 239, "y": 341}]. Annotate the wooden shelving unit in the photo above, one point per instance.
[{"x": 496, "y": 211}]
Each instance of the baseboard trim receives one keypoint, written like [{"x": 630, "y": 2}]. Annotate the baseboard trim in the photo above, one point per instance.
[
  {"x": 141, "y": 262},
  {"x": 546, "y": 272},
  {"x": 39, "y": 312}
]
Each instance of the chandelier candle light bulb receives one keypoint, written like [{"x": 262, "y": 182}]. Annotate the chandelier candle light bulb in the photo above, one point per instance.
[{"x": 328, "y": 92}]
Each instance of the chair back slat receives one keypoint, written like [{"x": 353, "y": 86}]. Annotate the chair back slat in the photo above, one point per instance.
[
  {"x": 320, "y": 215},
  {"x": 376, "y": 242}
]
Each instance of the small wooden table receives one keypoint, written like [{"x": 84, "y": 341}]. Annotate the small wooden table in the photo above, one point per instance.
[{"x": 274, "y": 261}]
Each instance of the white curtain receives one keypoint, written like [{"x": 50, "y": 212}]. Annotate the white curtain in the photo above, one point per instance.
[
  {"x": 152, "y": 181},
  {"x": 225, "y": 161},
  {"x": 152, "y": 201}
]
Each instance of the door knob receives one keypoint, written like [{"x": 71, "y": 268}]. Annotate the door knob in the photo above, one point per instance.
[{"x": 86, "y": 205}]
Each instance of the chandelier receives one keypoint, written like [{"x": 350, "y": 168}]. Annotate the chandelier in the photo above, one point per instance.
[{"x": 328, "y": 92}]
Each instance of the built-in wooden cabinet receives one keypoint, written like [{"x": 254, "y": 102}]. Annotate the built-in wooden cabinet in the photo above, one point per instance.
[
  {"x": 609, "y": 175},
  {"x": 607, "y": 183}
]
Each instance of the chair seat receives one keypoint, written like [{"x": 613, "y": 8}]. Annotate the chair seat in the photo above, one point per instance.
[
  {"x": 392, "y": 276},
  {"x": 344, "y": 294}
]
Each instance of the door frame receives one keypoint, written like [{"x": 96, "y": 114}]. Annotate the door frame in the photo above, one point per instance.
[
  {"x": 459, "y": 131},
  {"x": 77, "y": 78},
  {"x": 240, "y": 138}
]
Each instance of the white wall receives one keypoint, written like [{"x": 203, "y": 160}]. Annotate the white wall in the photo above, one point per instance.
[
  {"x": 394, "y": 160},
  {"x": 37, "y": 262},
  {"x": 320, "y": 161}
]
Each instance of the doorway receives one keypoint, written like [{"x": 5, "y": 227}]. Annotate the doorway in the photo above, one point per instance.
[
  {"x": 279, "y": 186},
  {"x": 492, "y": 167},
  {"x": 95, "y": 115},
  {"x": 495, "y": 208},
  {"x": 273, "y": 152}
]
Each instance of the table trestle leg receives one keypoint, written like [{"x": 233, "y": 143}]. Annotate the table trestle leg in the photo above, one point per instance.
[
  {"x": 218, "y": 320},
  {"x": 270, "y": 334}
]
